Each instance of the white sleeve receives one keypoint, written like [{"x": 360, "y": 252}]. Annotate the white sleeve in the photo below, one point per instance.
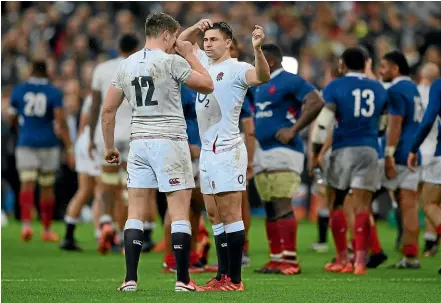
[
  {"x": 87, "y": 104},
  {"x": 96, "y": 82},
  {"x": 116, "y": 80},
  {"x": 241, "y": 75},
  {"x": 180, "y": 69}
]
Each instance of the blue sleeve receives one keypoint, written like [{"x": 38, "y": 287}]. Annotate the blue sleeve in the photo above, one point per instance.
[
  {"x": 15, "y": 97},
  {"x": 432, "y": 111},
  {"x": 301, "y": 88},
  {"x": 58, "y": 99},
  {"x": 397, "y": 105},
  {"x": 246, "y": 112},
  {"x": 328, "y": 94}
]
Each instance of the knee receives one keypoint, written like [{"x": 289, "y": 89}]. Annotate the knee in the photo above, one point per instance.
[
  {"x": 28, "y": 178},
  {"x": 278, "y": 209},
  {"x": 110, "y": 179}
]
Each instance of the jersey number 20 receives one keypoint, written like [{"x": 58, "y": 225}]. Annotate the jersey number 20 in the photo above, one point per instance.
[
  {"x": 140, "y": 83},
  {"x": 35, "y": 104},
  {"x": 369, "y": 96}
]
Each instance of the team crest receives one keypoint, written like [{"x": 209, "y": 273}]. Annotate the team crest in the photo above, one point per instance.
[{"x": 219, "y": 76}]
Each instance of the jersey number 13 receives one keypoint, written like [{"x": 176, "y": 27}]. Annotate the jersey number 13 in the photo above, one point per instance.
[
  {"x": 140, "y": 83},
  {"x": 369, "y": 97}
]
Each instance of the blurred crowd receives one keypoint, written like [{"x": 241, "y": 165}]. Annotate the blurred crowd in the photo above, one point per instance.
[{"x": 75, "y": 36}]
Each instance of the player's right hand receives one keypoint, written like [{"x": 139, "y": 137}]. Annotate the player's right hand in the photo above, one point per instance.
[
  {"x": 412, "y": 162},
  {"x": 91, "y": 148},
  {"x": 204, "y": 24},
  {"x": 314, "y": 163},
  {"x": 183, "y": 48},
  {"x": 390, "y": 168},
  {"x": 112, "y": 156}
]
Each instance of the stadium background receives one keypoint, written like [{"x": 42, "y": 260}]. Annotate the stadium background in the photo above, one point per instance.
[{"x": 75, "y": 36}]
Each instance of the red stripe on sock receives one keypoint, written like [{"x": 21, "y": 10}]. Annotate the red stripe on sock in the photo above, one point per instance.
[
  {"x": 26, "y": 201},
  {"x": 411, "y": 250},
  {"x": 273, "y": 236},
  {"x": 374, "y": 242},
  {"x": 47, "y": 212},
  {"x": 438, "y": 229},
  {"x": 288, "y": 233},
  {"x": 339, "y": 228},
  {"x": 362, "y": 231}
]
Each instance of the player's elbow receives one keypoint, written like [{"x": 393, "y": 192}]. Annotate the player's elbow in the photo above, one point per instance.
[{"x": 206, "y": 86}]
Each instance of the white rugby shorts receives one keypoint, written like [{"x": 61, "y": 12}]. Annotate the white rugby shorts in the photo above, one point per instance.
[{"x": 160, "y": 163}]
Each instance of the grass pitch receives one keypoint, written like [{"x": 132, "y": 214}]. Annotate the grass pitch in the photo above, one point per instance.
[{"x": 40, "y": 272}]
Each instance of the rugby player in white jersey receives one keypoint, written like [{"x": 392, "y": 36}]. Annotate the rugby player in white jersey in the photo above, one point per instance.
[
  {"x": 223, "y": 160},
  {"x": 88, "y": 171},
  {"x": 429, "y": 72},
  {"x": 159, "y": 154},
  {"x": 111, "y": 178}
]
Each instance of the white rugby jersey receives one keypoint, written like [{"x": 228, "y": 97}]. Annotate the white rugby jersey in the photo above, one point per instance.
[
  {"x": 218, "y": 113},
  {"x": 102, "y": 77},
  {"x": 429, "y": 145},
  {"x": 151, "y": 82},
  {"x": 85, "y": 110}
]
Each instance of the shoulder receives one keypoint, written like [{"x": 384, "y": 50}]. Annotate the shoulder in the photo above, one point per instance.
[{"x": 437, "y": 83}]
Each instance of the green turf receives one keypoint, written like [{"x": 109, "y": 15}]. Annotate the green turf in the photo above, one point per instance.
[{"x": 40, "y": 272}]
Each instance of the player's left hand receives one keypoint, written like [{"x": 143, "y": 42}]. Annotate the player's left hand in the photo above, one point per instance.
[
  {"x": 285, "y": 135},
  {"x": 112, "y": 156},
  {"x": 391, "y": 170},
  {"x": 258, "y": 36},
  {"x": 412, "y": 162}
]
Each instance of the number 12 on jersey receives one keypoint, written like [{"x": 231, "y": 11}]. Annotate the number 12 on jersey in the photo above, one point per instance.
[
  {"x": 140, "y": 83},
  {"x": 367, "y": 94}
]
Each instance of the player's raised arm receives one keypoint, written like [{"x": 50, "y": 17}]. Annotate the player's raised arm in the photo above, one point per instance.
[
  {"x": 191, "y": 33},
  {"x": 432, "y": 111},
  {"x": 199, "y": 80},
  {"x": 261, "y": 72}
]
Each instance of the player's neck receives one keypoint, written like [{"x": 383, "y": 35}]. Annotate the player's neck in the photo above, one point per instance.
[
  {"x": 225, "y": 57},
  {"x": 154, "y": 44}
]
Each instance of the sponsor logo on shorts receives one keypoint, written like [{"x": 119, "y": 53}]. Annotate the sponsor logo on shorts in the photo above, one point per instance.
[
  {"x": 128, "y": 177},
  {"x": 174, "y": 181},
  {"x": 137, "y": 242},
  {"x": 177, "y": 246},
  {"x": 223, "y": 244},
  {"x": 213, "y": 185},
  {"x": 240, "y": 179}
]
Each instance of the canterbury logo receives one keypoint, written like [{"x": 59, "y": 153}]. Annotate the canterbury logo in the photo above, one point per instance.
[
  {"x": 223, "y": 244},
  {"x": 137, "y": 242},
  {"x": 174, "y": 181},
  {"x": 177, "y": 246}
]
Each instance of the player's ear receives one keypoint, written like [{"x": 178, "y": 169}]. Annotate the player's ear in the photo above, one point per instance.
[{"x": 229, "y": 43}]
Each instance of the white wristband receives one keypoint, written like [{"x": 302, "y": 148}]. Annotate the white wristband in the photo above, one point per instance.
[{"x": 390, "y": 151}]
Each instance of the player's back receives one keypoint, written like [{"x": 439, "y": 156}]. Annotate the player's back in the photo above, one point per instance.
[
  {"x": 151, "y": 81},
  {"x": 359, "y": 103},
  {"x": 102, "y": 78},
  {"x": 35, "y": 101},
  {"x": 404, "y": 100}
]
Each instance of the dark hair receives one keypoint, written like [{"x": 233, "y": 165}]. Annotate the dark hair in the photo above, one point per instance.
[
  {"x": 235, "y": 43},
  {"x": 157, "y": 23},
  {"x": 273, "y": 50},
  {"x": 396, "y": 57},
  {"x": 39, "y": 67},
  {"x": 224, "y": 28},
  {"x": 354, "y": 58},
  {"x": 128, "y": 43}
]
